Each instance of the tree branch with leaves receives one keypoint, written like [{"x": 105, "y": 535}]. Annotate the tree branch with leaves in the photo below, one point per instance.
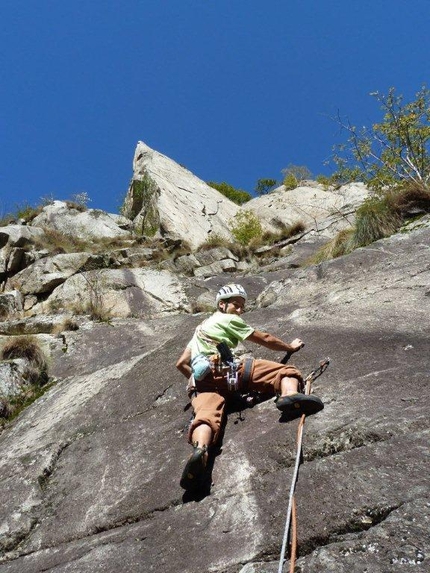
[{"x": 392, "y": 152}]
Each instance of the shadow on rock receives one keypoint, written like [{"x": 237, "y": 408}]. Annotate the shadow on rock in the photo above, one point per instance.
[{"x": 235, "y": 406}]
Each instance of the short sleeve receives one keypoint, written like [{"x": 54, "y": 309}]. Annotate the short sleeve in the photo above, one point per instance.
[{"x": 237, "y": 329}]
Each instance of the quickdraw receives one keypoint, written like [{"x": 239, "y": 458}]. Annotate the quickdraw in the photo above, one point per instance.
[
  {"x": 291, "y": 511},
  {"x": 232, "y": 373}
]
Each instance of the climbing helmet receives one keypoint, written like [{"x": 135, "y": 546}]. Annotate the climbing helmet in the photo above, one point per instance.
[{"x": 229, "y": 291}]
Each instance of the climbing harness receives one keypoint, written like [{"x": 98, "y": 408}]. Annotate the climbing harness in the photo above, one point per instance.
[
  {"x": 233, "y": 366},
  {"x": 291, "y": 511}
]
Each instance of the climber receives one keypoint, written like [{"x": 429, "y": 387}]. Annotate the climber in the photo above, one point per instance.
[{"x": 210, "y": 381}]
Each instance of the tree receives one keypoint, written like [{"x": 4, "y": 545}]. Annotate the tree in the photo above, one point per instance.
[
  {"x": 392, "y": 157},
  {"x": 294, "y": 175},
  {"x": 392, "y": 152},
  {"x": 264, "y": 186}
]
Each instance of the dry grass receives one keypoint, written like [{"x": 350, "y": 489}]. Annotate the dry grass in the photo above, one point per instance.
[
  {"x": 342, "y": 244},
  {"x": 27, "y": 348},
  {"x": 378, "y": 217},
  {"x": 36, "y": 374},
  {"x": 411, "y": 199},
  {"x": 285, "y": 232},
  {"x": 68, "y": 324},
  {"x": 58, "y": 243}
]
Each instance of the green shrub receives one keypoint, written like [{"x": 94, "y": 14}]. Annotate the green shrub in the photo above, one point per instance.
[
  {"x": 342, "y": 244},
  {"x": 378, "y": 217},
  {"x": 11, "y": 407},
  {"x": 76, "y": 206},
  {"x": 375, "y": 219},
  {"x": 246, "y": 228},
  {"x": 6, "y": 220},
  {"x": 294, "y": 175},
  {"x": 144, "y": 206},
  {"x": 24, "y": 211},
  {"x": 324, "y": 180},
  {"x": 27, "y": 212},
  {"x": 382, "y": 215},
  {"x": 238, "y": 196}
]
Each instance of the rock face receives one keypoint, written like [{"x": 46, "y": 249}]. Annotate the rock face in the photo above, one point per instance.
[
  {"x": 165, "y": 197},
  {"x": 167, "y": 201},
  {"x": 175, "y": 202},
  {"x": 323, "y": 210},
  {"x": 84, "y": 225},
  {"x": 12, "y": 373},
  {"x": 10, "y": 304},
  {"x": 14, "y": 240},
  {"x": 90, "y": 471},
  {"x": 47, "y": 273},
  {"x": 18, "y": 235},
  {"x": 121, "y": 293}
]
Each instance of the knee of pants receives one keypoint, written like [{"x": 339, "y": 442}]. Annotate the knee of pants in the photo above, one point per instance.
[{"x": 208, "y": 409}]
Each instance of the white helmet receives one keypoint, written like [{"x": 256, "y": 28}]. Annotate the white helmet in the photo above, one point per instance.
[{"x": 229, "y": 291}]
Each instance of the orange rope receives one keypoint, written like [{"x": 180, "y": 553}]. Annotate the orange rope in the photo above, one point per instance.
[
  {"x": 293, "y": 550},
  {"x": 292, "y": 507}
]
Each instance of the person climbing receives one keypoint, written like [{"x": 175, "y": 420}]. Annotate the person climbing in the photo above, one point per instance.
[{"x": 211, "y": 381}]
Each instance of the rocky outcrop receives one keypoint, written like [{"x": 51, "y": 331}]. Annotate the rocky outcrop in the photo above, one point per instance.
[
  {"x": 323, "y": 210},
  {"x": 14, "y": 242},
  {"x": 119, "y": 293},
  {"x": 83, "y": 224},
  {"x": 90, "y": 471},
  {"x": 22, "y": 247},
  {"x": 182, "y": 212},
  {"x": 12, "y": 377},
  {"x": 10, "y": 304},
  {"x": 165, "y": 197},
  {"x": 209, "y": 263},
  {"x": 168, "y": 199},
  {"x": 47, "y": 273},
  {"x": 18, "y": 235},
  {"x": 42, "y": 323}
]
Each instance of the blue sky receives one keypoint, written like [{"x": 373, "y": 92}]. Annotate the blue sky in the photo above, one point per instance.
[{"x": 235, "y": 90}]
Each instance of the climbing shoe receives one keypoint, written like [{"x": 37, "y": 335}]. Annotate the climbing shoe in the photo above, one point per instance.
[
  {"x": 295, "y": 405},
  {"x": 194, "y": 470}
]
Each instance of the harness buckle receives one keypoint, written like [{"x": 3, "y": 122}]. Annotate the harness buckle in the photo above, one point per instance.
[
  {"x": 232, "y": 373},
  {"x": 233, "y": 378}
]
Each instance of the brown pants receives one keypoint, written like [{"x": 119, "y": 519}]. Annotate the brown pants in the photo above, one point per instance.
[{"x": 212, "y": 391}]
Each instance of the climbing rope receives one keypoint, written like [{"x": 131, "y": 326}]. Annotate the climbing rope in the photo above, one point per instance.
[{"x": 291, "y": 511}]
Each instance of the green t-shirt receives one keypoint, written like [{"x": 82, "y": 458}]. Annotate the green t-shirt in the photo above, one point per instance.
[{"x": 220, "y": 327}]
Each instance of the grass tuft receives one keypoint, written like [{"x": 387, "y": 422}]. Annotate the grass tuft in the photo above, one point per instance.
[
  {"x": 378, "y": 217},
  {"x": 36, "y": 377}
]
